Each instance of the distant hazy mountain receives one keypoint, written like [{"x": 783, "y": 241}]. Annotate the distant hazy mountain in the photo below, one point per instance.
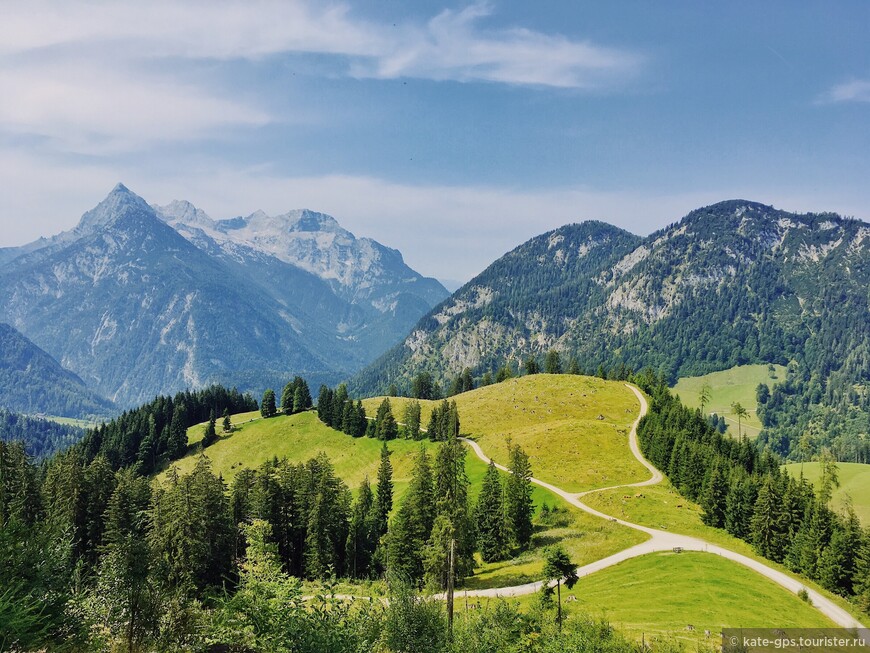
[
  {"x": 33, "y": 382},
  {"x": 732, "y": 283},
  {"x": 136, "y": 307}
]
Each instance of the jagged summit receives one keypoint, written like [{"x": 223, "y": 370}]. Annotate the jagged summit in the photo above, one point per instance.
[{"x": 121, "y": 202}]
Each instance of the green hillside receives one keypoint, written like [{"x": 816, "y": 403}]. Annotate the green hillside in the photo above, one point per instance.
[
  {"x": 705, "y": 591},
  {"x": 574, "y": 428},
  {"x": 661, "y": 506},
  {"x": 737, "y": 384},
  {"x": 854, "y": 485}
]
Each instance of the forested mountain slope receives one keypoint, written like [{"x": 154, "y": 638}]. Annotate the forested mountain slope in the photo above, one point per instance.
[
  {"x": 33, "y": 382},
  {"x": 733, "y": 283}
]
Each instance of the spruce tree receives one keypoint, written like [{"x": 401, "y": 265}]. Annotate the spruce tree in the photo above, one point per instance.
[
  {"x": 553, "y": 362},
  {"x": 267, "y": 405},
  {"x": 767, "y": 527},
  {"x": 713, "y": 498},
  {"x": 411, "y": 418},
  {"x": 518, "y": 495},
  {"x": 361, "y": 537},
  {"x": 177, "y": 445},
  {"x": 287, "y": 395},
  {"x": 228, "y": 423},
  {"x": 384, "y": 500},
  {"x": 490, "y": 517},
  {"x": 210, "y": 434},
  {"x": 385, "y": 424}
]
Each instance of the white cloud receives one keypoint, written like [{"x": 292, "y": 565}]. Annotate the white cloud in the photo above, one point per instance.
[
  {"x": 99, "y": 110},
  {"x": 855, "y": 91},
  {"x": 450, "y": 46}
]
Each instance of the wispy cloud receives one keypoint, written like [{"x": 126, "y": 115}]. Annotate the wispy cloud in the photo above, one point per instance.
[
  {"x": 450, "y": 46},
  {"x": 854, "y": 91}
]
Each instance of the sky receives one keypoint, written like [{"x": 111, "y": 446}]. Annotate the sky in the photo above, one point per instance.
[{"x": 450, "y": 131}]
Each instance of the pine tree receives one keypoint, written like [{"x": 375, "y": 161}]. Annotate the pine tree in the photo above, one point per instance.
[
  {"x": 385, "y": 424},
  {"x": 713, "y": 498},
  {"x": 287, "y": 395},
  {"x": 553, "y": 362},
  {"x": 767, "y": 527},
  {"x": 403, "y": 547},
  {"x": 518, "y": 491},
  {"x": 574, "y": 367},
  {"x": 411, "y": 418},
  {"x": 384, "y": 500},
  {"x": 558, "y": 566},
  {"x": 504, "y": 373},
  {"x": 177, "y": 445},
  {"x": 324, "y": 405},
  {"x": 210, "y": 434},
  {"x": 361, "y": 537},
  {"x": 452, "y": 517},
  {"x": 267, "y": 405},
  {"x": 532, "y": 366},
  {"x": 228, "y": 423},
  {"x": 490, "y": 517}
]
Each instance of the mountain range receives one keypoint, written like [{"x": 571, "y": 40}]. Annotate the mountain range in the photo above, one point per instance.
[
  {"x": 732, "y": 283},
  {"x": 139, "y": 300}
]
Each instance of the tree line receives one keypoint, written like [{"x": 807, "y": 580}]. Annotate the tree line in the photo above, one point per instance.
[
  {"x": 156, "y": 432},
  {"x": 747, "y": 493}
]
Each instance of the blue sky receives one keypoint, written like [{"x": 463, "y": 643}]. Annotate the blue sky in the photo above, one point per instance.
[{"x": 452, "y": 131}]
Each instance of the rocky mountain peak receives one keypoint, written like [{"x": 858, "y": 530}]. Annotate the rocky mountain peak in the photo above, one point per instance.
[{"x": 120, "y": 203}]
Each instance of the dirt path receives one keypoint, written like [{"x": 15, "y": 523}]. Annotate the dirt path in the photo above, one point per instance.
[{"x": 660, "y": 540}]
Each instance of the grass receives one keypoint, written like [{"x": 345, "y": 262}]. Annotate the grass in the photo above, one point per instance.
[
  {"x": 299, "y": 438},
  {"x": 661, "y": 506},
  {"x": 70, "y": 421},
  {"x": 728, "y": 386},
  {"x": 573, "y": 428},
  {"x": 854, "y": 486},
  {"x": 487, "y": 414},
  {"x": 706, "y": 591}
]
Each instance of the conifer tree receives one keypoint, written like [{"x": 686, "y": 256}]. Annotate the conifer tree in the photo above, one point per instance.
[
  {"x": 176, "y": 447},
  {"x": 267, "y": 405},
  {"x": 210, "y": 434},
  {"x": 287, "y": 395},
  {"x": 384, "y": 500},
  {"x": 490, "y": 517},
  {"x": 411, "y": 419},
  {"x": 767, "y": 527},
  {"x": 228, "y": 423},
  {"x": 532, "y": 366},
  {"x": 713, "y": 498},
  {"x": 518, "y": 495},
  {"x": 361, "y": 537},
  {"x": 558, "y": 566},
  {"x": 385, "y": 424},
  {"x": 324, "y": 405},
  {"x": 504, "y": 373},
  {"x": 553, "y": 362}
]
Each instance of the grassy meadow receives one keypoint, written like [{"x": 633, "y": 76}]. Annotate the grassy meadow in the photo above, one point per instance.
[
  {"x": 573, "y": 428},
  {"x": 854, "y": 486},
  {"x": 728, "y": 386}
]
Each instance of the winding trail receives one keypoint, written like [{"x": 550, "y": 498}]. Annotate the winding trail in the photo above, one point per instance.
[{"x": 659, "y": 540}]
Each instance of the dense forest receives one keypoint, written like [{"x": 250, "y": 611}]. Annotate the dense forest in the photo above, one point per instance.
[
  {"x": 41, "y": 437},
  {"x": 156, "y": 432},
  {"x": 748, "y": 494},
  {"x": 97, "y": 555},
  {"x": 33, "y": 382}
]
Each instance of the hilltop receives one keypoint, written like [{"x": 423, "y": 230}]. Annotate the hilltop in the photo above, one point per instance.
[{"x": 730, "y": 284}]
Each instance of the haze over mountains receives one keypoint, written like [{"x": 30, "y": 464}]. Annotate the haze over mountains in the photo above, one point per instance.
[{"x": 139, "y": 300}]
